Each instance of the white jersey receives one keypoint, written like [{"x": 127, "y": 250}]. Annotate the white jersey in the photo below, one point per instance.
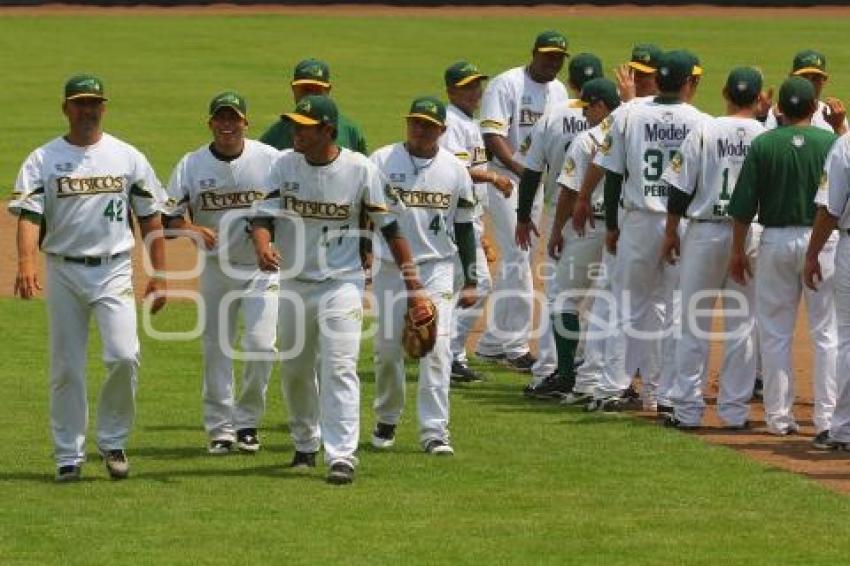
[
  {"x": 317, "y": 211},
  {"x": 834, "y": 190},
  {"x": 210, "y": 188},
  {"x": 578, "y": 158},
  {"x": 85, "y": 195},
  {"x": 817, "y": 118},
  {"x": 709, "y": 162},
  {"x": 550, "y": 139},
  {"x": 463, "y": 138},
  {"x": 642, "y": 141},
  {"x": 600, "y": 130},
  {"x": 513, "y": 103},
  {"x": 436, "y": 194}
]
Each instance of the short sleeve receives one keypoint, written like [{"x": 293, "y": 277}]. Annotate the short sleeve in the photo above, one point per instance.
[
  {"x": 611, "y": 154},
  {"x": 683, "y": 170},
  {"x": 147, "y": 196},
  {"x": 835, "y": 184},
  {"x": 177, "y": 191},
  {"x": 380, "y": 199},
  {"x": 575, "y": 165},
  {"x": 454, "y": 141},
  {"x": 465, "y": 210},
  {"x": 29, "y": 187},
  {"x": 497, "y": 108}
]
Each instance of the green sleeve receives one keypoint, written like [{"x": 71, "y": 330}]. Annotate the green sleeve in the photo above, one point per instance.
[
  {"x": 279, "y": 135},
  {"x": 744, "y": 202},
  {"x": 528, "y": 184},
  {"x": 613, "y": 189},
  {"x": 465, "y": 240}
]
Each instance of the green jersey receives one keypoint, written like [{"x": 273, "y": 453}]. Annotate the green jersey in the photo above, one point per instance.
[
  {"x": 780, "y": 177},
  {"x": 279, "y": 135}
]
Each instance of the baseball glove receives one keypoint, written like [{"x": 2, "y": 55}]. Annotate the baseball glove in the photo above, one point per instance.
[{"x": 420, "y": 329}]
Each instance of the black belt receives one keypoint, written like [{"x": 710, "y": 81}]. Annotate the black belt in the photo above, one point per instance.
[
  {"x": 712, "y": 220},
  {"x": 91, "y": 260}
]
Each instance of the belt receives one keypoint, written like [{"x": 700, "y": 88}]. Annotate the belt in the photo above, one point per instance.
[
  {"x": 92, "y": 260},
  {"x": 711, "y": 220}
]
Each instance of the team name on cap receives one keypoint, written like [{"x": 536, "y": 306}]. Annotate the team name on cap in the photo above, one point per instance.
[
  {"x": 316, "y": 209},
  {"x": 425, "y": 199},
  {"x": 670, "y": 132},
  {"x": 86, "y": 186},
  {"x": 225, "y": 201}
]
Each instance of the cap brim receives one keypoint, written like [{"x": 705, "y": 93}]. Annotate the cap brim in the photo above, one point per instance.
[
  {"x": 552, "y": 50},
  {"x": 810, "y": 71},
  {"x": 235, "y": 109},
  {"x": 696, "y": 71},
  {"x": 641, "y": 67},
  {"x": 471, "y": 78},
  {"x": 578, "y": 103},
  {"x": 300, "y": 119},
  {"x": 425, "y": 117},
  {"x": 86, "y": 95},
  {"x": 310, "y": 82}
]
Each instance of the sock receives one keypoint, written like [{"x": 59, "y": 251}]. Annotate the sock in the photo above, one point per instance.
[{"x": 566, "y": 346}]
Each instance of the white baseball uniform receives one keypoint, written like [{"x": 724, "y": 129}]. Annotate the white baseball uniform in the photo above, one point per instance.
[
  {"x": 436, "y": 193},
  {"x": 511, "y": 106},
  {"x": 834, "y": 194},
  {"x": 544, "y": 151},
  {"x": 642, "y": 140},
  {"x": 585, "y": 266},
  {"x": 817, "y": 118},
  {"x": 85, "y": 196},
  {"x": 218, "y": 194},
  {"x": 316, "y": 209},
  {"x": 707, "y": 168},
  {"x": 463, "y": 138}
]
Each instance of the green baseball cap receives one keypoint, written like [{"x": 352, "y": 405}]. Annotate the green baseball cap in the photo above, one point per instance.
[
  {"x": 84, "y": 86},
  {"x": 584, "y": 67},
  {"x": 312, "y": 110},
  {"x": 462, "y": 73},
  {"x": 551, "y": 42},
  {"x": 675, "y": 67},
  {"x": 428, "y": 108},
  {"x": 796, "y": 95},
  {"x": 229, "y": 99},
  {"x": 809, "y": 61},
  {"x": 312, "y": 72},
  {"x": 645, "y": 57},
  {"x": 744, "y": 85},
  {"x": 598, "y": 89}
]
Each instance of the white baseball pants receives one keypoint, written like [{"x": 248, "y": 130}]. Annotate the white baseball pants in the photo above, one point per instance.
[
  {"x": 224, "y": 297},
  {"x": 74, "y": 292},
  {"x": 432, "y": 401},
  {"x": 778, "y": 289},
  {"x": 319, "y": 333},
  {"x": 464, "y": 319},
  {"x": 839, "y": 429}
]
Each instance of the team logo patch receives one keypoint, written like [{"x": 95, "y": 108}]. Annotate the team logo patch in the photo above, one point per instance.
[
  {"x": 605, "y": 124},
  {"x": 824, "y": 182},
  {"x": 64, "y": 167},
  {"x": 291, "y": 186},
  {"x": 667, "y": 118},
  {"x": 391, "y": 193},
  {"x": 676, "y": 162},
  {"x": 569, "y": 166},
  {"x": 525, "y": 99},
  {"x": 525, "y": 145},
  {"x": 398, "y": 177},
  {"x": 126, "y": 293},
  {"x": 742, "y": 132},
  {"x": 798, "y": 141},
  {"x": 605, "y": 146},
  {"x": 204, "y": 184}
]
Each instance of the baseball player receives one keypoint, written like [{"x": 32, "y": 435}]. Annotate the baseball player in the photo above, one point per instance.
[
  {"x": 312, "y": 76},
  {"x": 579, "y": 261},
  {"x": 512, "y": 104},
  {"x": 316, "y": 195},
  {"x": 436, "y": 190},
  {"x": 778, "y": 181},
  {"x": 636, "y": 79},
  {"x": 464, "y": 87},
  {"x": 216, "y": 184},
  {"x": 545, "y": 150},
  {"x": 642, "y": 140},
  {"x": 830, "y": 114},
  {"x": 82, "y": 188},
  {"x": 701, "y": 178},
  {"x": 833, "y": 199}
]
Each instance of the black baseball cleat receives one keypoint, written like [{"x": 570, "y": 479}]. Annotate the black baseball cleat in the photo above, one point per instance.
[
  {"x": 821, "y": 441},
  {"x": 522, "y": 364},
  {"x": 383, "y": 436},
  {"x": 553, "y": 387},
  {"x": 619, "y": 403},
  {"x": 758, "y": 388},
  {"x": 303, "y": 460},
  {"x": 341, "y": 473},
  {"x": 670, "y": 421},
  {"x": 490, "y": 357},
  {"x": 462, "y": 373},
  {"x": 743, "y": 426},
  {"x": 117, "y": 465},
  {"x": 576, "y": 398},
  {"x": 438, "y": 447},
  {"x": 68, "y": 474},
  {"x": 219, "y": 447},
  {"x": 247, "y": 440},
  {"x": 663, "y": 410}
]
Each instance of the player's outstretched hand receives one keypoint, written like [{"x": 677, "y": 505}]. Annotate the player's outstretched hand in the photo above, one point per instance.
[
  {"x": 611, "y": 238},
  {"x": 835, "y": 114},
  {"x": 739, "y": 268},
  {"x": 155, "y": 294},
  {"x": 26, "y": 282},
  {"x": 468, "y": 296},
  {"x": 208, "y": 236},
  {"x": 268, "y": 259},
  {"x": 523, "y": 233},
  {"x": 670, "y": 249},
  {"x": 625, "y": 82},
  {"x": 582, "y": 215},
  {"x": 764, "y": 102},
  {"x": 556, "y": 245},
  {"x": 503, "y": 184},
  {"x": 812, "y": 275}
]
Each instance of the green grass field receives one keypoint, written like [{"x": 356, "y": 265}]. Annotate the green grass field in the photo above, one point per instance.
[{"x": 531, "y": 483}]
